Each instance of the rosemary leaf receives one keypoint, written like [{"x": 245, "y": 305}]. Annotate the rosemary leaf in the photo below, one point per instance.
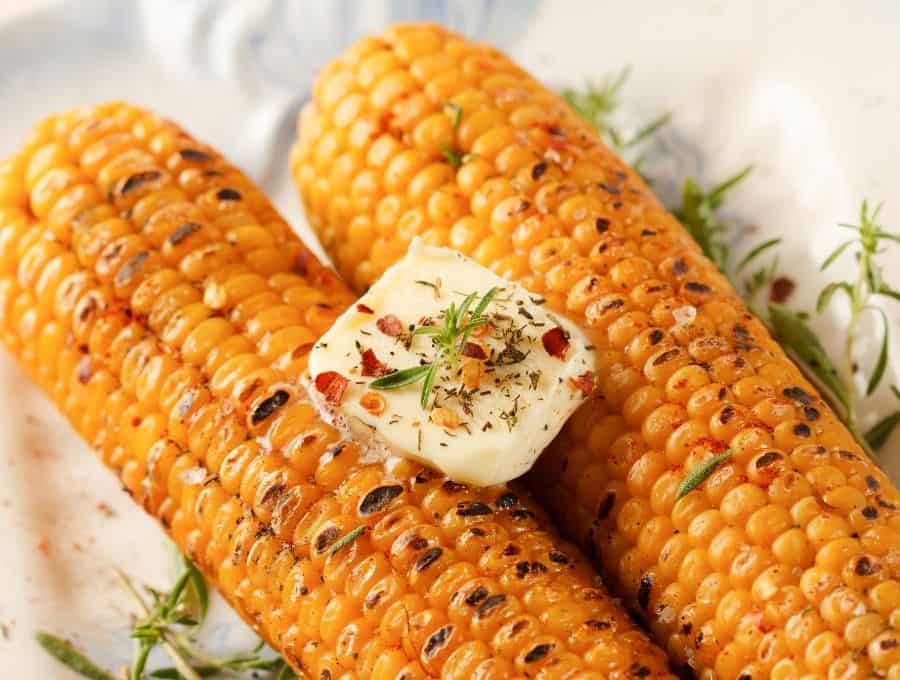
[
  {"x": 887, "y": 291},
  {"x": 796, "y": 336},
  {"x": 878, "y": 435},
  {"x": 171, "y": 673},
  {"x": 454, "y": 157},
  {"x": 428, "y": 385},
  {"x": 648, "y": 130},
  {"x": 196, "y": 593},
  {"x": 756, "y": 252},
  {"x": 699, "y": 474},
  {"x": 828, "y": 292},
  {"x": 881, "y": 362},
  {"x": 286, "y": 673},
  {"x": 65, "y": 652},
  {"x": 397, "y": 379},
  {"x": 455, "y": 112},
  {"x": 347, "y": 539},
  {"x": 484, "y": 302},
  {"x": 836, "y": 253},
  {"x": 464, "y": 308}
]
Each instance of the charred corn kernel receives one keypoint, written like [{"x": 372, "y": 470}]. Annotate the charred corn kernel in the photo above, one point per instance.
[
  {"x": 173, "y": 329},
  {"x": 796, "y": 535}
]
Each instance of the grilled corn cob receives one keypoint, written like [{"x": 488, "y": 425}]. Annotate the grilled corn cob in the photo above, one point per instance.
[
  {"x": 784, "y": 562},
  {"x": 167, "y": 309}
]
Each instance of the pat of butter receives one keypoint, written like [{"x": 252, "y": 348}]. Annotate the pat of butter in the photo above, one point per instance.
[{"x": 497, "y": 401}]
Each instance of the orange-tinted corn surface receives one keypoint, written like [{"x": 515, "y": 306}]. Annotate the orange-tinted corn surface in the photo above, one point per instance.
[
  {"x": 785, "y": 562},
  {"x": 167, "y": 309}
]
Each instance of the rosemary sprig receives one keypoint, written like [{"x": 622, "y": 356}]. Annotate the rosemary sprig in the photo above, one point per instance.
[
  {"x": 869, "y": 284},
  {"x": 170, "y": 621},
  {"x": 698, "y": 215},
  {"x": 449, "y": 341},
  {"x": 597, "y": 104}
]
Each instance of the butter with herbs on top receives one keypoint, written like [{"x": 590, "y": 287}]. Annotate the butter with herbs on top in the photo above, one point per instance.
[{"x": 508, "y": 371}]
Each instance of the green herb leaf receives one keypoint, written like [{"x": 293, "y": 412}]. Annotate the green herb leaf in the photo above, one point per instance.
[
  {"x": 140, "y": 661},
  {"x": 455, "y": 112},
  {"x": 879, "y": 434},
  {"x": 171, "y": 673},
  {"x": 597, "y": 104},
  {"x": 66, "y": 653},
  {"x": 829, "y": 291},
  {"x": 454, "y": 157},
  {"x": 879, "y": 234},
  {"x": 648, "y": 130},
  {"x": 836, "y": 253},
  {"x": 177, "y": 591},
  {"x": 697, "y": 214},
  {"x": 756, "y": 252},
  {"x": 486, "y": 299},
  {"x": 428, "y": 385},
  {"x": 794, "y": 334},
  {"x": 398, "y": 379},
  {"x": 464, "y": 307},
  {"x": 717, "y": 195},
  {"x": 196, "y": 593},
  {"x": 347, "y": 539},
  {"x": 428, "y": 330},
  {"x": 286, "y": 673},
  {"x": 881, "y": 362},
  {"x": 887, "y": 291},
  {"x": 699, "y": 474}
]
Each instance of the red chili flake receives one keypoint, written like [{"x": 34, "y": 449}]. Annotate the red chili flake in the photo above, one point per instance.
[
  {"x": 474, "y": 351},
  {"x": 781, "y": 289},
  {"x": 390, "y": 325},
  {"x": 584, "y": 382},
  {"x": 371, "y": 366},
  {"x": 364, "y": 309},
  {"x": 711, "y": 444},
  {"x": 43, "y": 546},
  {"x": 556, "y": 342},
  {"x": 333, "y": 385}
]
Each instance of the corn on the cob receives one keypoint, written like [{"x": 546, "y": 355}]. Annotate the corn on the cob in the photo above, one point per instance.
[
  {"x": 785, "y": 562},
  {"x": 167, "y": 309}
]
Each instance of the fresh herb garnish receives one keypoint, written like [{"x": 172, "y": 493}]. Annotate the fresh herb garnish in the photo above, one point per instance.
[
  {"x": 449, "y": 341},
  {"x": 597, "y": 103},
  {"x": 794, "y": 332},
  {"x": 66, "y": 653},
  {"x": 699, "y": 474},
  {"x": 455, "y": 112},
  {"x": 170, "y": 621},
  {"x": 454, "y": 158},
  {"x": 879, "y": 433},
  {"x": 698, "y": 215},
  {"x": 347, "y": 539}
]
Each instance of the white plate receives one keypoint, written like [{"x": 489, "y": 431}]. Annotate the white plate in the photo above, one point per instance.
[{"x": 808, "y": 93}]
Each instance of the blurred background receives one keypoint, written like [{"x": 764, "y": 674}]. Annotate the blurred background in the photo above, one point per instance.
[{"x": 807, "y": 93}]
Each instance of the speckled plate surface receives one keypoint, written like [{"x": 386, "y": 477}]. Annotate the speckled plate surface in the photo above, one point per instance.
[{"x": 809, "y": 93}]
